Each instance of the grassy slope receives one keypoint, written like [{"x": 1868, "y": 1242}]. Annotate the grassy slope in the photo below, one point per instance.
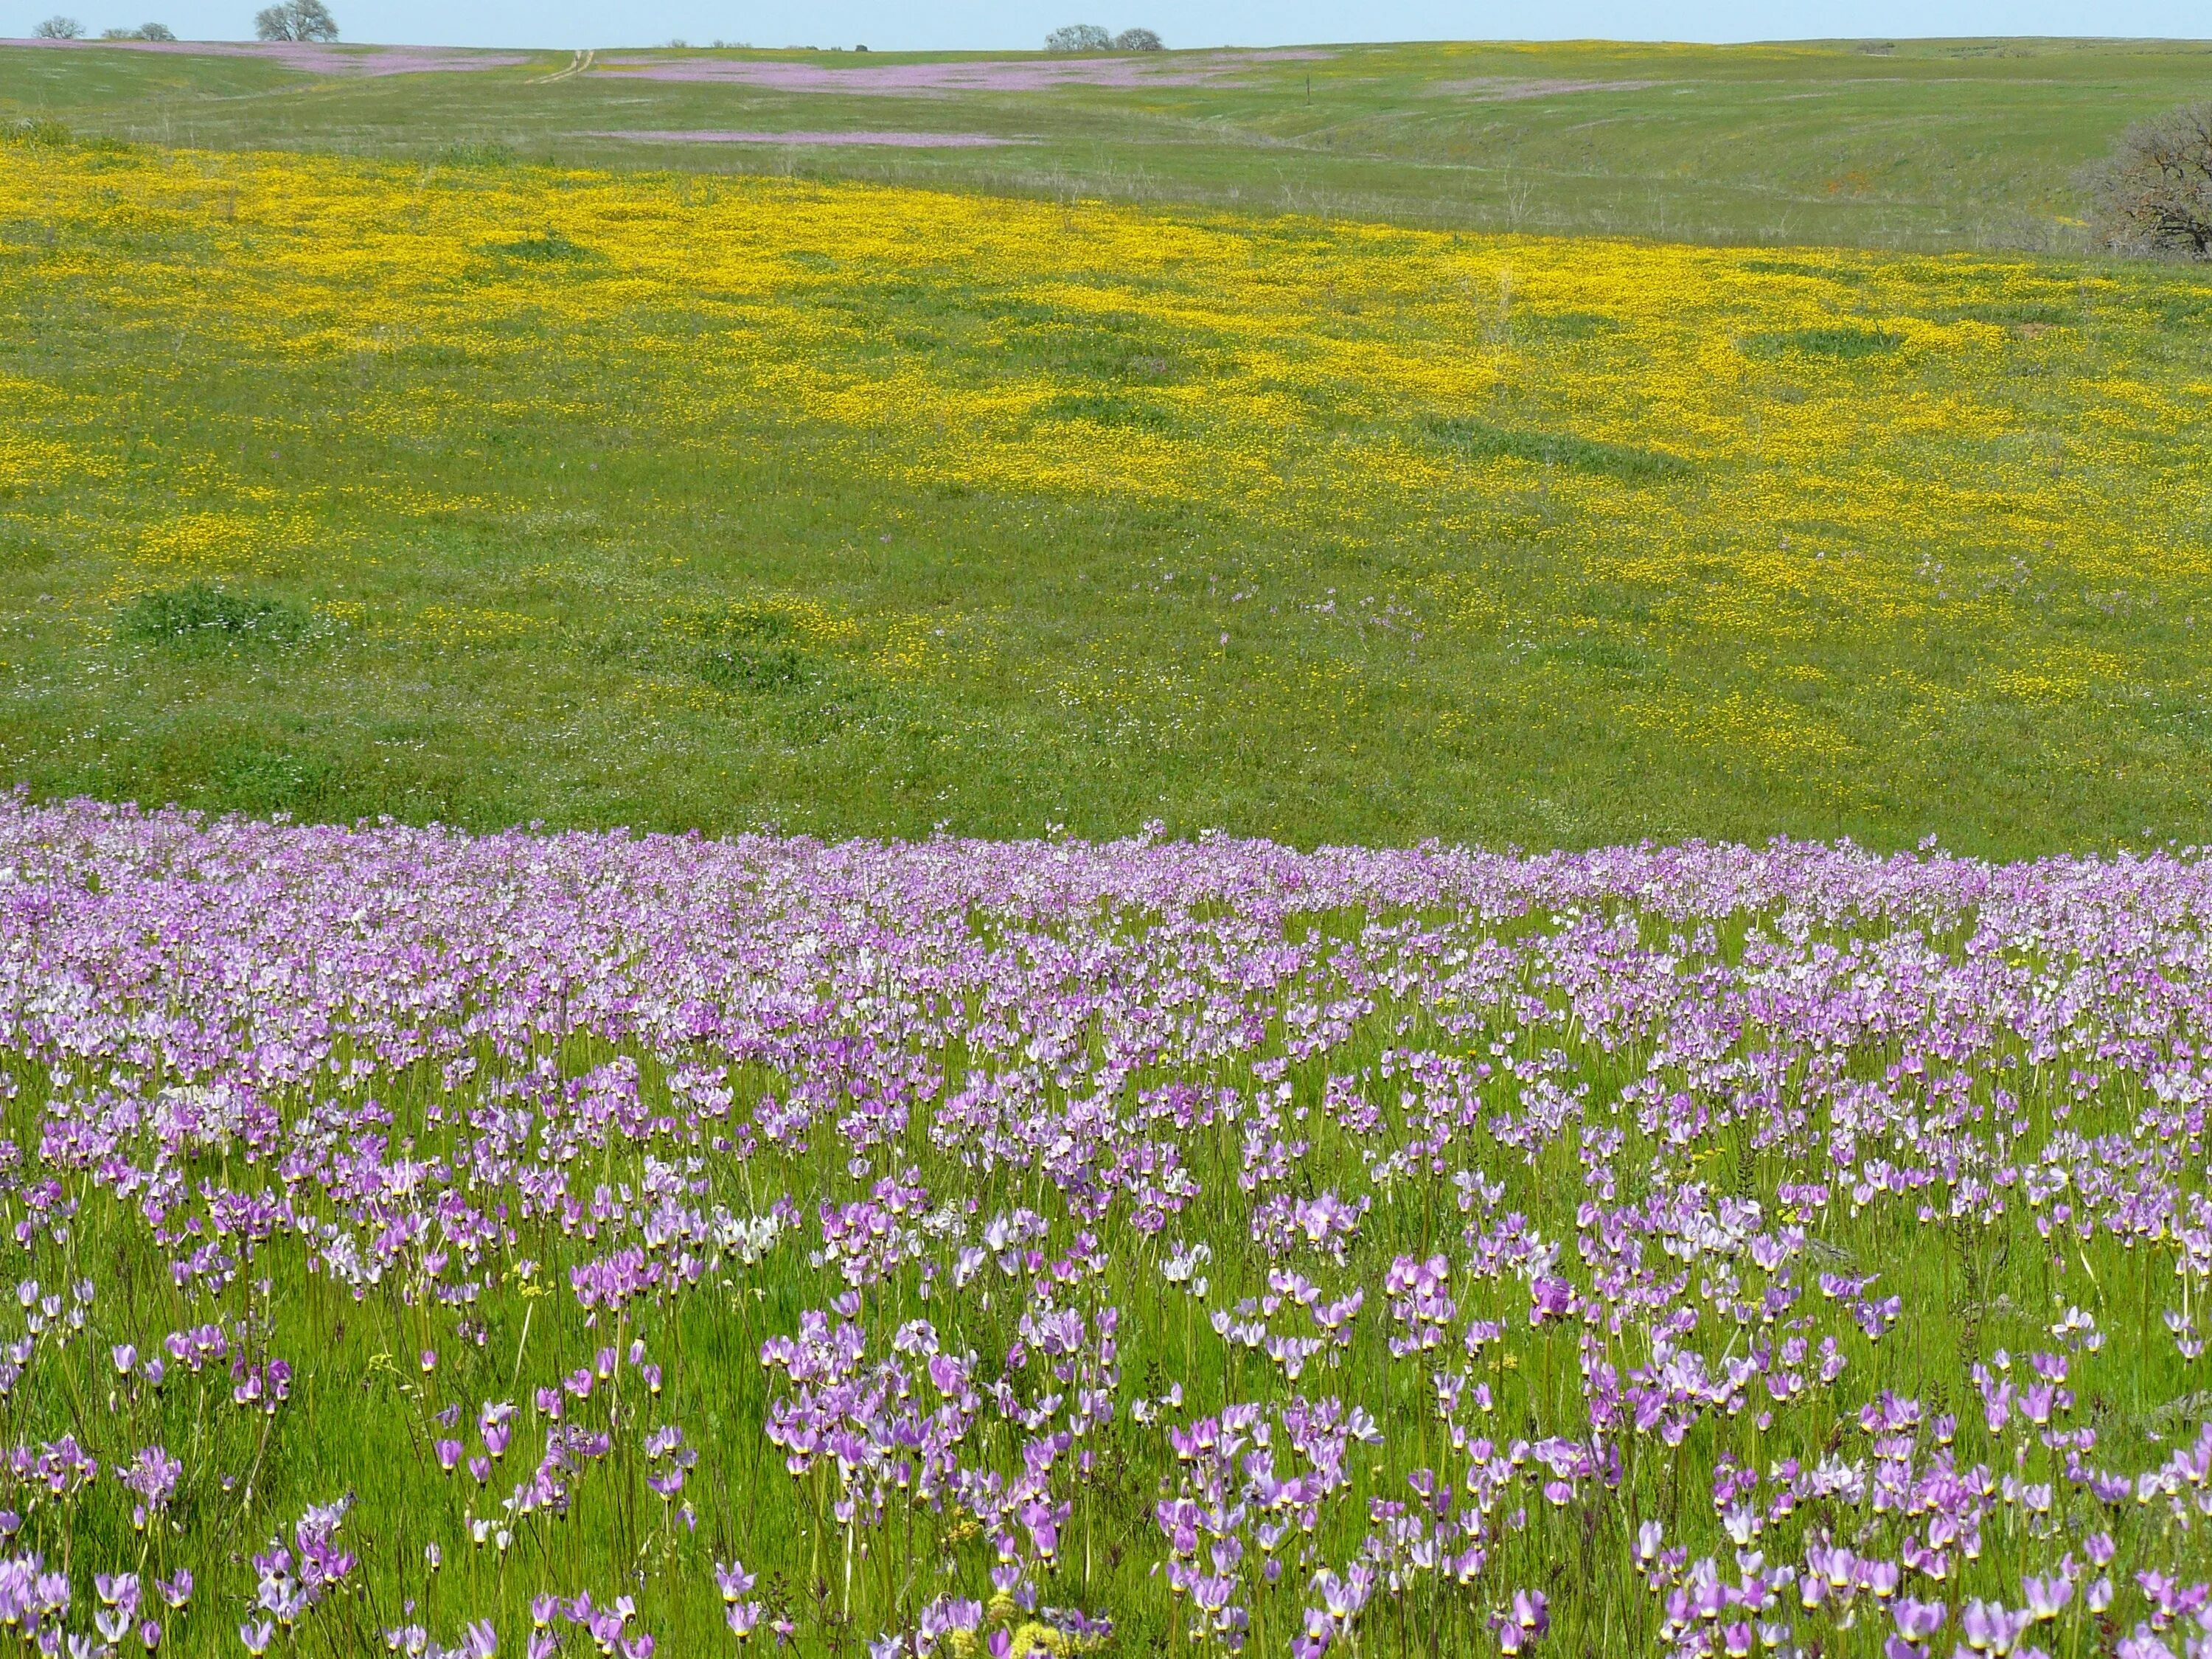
[
  {"x": 1922, "y": 144},
  {"x": 525, "y": 522}
]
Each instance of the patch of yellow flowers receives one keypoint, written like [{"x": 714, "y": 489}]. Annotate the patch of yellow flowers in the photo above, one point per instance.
[{"x": 1793, "y": 451}]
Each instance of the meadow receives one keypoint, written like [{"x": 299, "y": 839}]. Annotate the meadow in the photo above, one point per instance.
[
  {"x": 492, "y": 494},
  {"x": 1015, "y": 1098},
  {"x": 629, "y": 1245}
]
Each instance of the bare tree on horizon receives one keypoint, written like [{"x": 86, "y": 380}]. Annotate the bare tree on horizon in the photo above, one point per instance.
[
  {"x": 2153, "y": 195},
  {"x": 295, "y": 20}
]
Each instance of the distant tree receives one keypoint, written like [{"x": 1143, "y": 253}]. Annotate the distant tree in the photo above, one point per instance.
[
  {"x": 295, "y": 20},
  {"x": 155, "y": 31},
  {"x": 2153, "y": 195},
  {"x": 1079, "y": 37},
  {"x": 60, "y": 28},
  {"x": 1139, "y": 40}
]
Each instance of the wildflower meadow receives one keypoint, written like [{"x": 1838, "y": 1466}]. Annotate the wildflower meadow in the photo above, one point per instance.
[
  {"x": 1063, "y": 1122},
  {"x": 610, "y": 1244},
  {"x": 724, "y": 502}
]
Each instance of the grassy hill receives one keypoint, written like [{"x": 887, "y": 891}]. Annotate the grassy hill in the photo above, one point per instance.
[
  {"x": 1912, "y": 144},
  {"x": 492, "y": 493}
]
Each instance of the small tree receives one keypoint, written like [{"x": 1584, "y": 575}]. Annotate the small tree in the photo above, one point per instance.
[
  {"x": 2153, "y": 193},
  {"x": 1079, "y": 37},
  {"x": 155, "y": 31},
  {"x": 295, "y": 20},
  {"x": 60, "y": 28},
  {"x": 1139, "y": 40}
]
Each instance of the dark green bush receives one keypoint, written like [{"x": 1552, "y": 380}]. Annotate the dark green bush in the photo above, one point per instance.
[
  {"x": 204, "y": 613},
  {"x": 42, "y": 130}
]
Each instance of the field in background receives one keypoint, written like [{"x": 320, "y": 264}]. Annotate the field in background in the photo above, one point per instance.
[
  {"x": 1922, "y": 144},
  {"x": 495, "y": 494}
]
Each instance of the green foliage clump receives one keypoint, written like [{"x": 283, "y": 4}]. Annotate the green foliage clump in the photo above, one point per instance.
[
  {"x": 41, "y": 131},
  {"x": 204, "y": 613},
  {"x": 1479, "y": 440},
  {"x": 476, "y": 154},
  {"x": 547, "y": 247},
  {"x": 1847, "y": 342},
  {"x": 1105, "y": 408}
]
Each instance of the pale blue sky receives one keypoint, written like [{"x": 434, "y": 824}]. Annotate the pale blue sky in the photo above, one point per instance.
[{"x": 992, "y": 24}]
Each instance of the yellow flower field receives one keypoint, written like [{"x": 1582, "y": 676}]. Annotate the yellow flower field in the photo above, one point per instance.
[{"x": 1785, "y": 512}]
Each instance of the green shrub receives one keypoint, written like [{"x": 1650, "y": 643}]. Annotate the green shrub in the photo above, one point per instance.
[
  {"x": 43, "y": 132},
  {"x": 203, "y": 613}
]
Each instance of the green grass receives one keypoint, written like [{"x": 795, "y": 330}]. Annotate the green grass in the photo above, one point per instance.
[
  {"x": 1872, "y": 143},
  {"x": 203, "y": 613},
  {"x": 1478, "y": 440},
  {"x": 360, "y": 1419},
  {"x": 529, "y": 569},
  {"x": 521, "y": 574}
]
